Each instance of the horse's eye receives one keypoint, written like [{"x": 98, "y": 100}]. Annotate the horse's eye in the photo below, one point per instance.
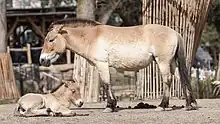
[
  {"x": 73, "y": 91},
  {"x": 50, "y": 40}
]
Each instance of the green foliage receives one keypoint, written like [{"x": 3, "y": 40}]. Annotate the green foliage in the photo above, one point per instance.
[
  {"x": 202, "y": 89},
  {"x": 210, "y": 36},
  {"x": 210, "y": 39},
  {"x": 214, "y": 14}
]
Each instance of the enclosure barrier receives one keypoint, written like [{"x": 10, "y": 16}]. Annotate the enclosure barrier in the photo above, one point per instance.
[
  {"x": 8, "y": 89},
  {"x": 28, "y": 49}
]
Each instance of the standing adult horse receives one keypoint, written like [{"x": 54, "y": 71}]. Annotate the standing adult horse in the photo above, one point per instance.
[{"x": 126, "y": 48}]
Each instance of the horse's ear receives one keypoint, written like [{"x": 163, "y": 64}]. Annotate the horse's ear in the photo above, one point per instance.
[
  {"x": 62, "y": 31},
  {"x": 64, "y": 82}
]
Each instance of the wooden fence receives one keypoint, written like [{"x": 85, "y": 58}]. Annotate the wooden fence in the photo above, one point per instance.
[
  {"x": 8, "y": 89},
  {"x": 187, "y": 17}
]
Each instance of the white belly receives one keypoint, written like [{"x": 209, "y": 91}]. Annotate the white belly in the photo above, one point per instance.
[{"x": 129, "y": 58}]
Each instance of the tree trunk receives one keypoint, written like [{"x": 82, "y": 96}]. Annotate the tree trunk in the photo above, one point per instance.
[
  {"x": 218, "y": 70},
  {"x": 3, "y": 26},
  {"x": 107, "y": 12},
  {"x": 86, "y": 9}
]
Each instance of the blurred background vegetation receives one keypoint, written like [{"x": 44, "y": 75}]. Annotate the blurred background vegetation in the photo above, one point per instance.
[{"x": 210, "y": 40}]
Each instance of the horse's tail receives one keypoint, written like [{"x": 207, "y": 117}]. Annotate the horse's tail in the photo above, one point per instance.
[{"x": 183, "y": 70}]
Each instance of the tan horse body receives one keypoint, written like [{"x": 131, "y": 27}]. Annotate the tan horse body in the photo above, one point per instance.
[
  {"x": 56, "y": 103},
  {"x": 124, "y": 48}
]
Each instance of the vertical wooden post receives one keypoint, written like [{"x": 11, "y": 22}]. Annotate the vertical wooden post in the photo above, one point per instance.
[
  {"x": 29, "y": 53},
  {"x": 96, "y": 85},
  {"x": 218, "y": 71},
  {"x": 68, "y": 56},
  {"x": 90, "y": 82},
  {"x": 8, "y": 49}
]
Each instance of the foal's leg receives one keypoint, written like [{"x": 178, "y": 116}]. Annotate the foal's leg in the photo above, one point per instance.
[
  {"x": 103, "y": 69},
  {"x": 166, "y": 78},
  {"x": 36, "y": 112},
  {"x": 63, "y": 111}
]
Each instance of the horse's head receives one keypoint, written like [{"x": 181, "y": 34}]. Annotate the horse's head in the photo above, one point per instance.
[
  {"x": 54, "y": 45},
  {"x": 72, "y": 92}
]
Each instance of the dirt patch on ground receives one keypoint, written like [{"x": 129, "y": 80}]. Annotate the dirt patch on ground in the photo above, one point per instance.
[{"x": 209, "y": 112}]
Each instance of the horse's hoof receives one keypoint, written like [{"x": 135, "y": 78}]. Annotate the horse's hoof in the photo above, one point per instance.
[
  {"x": 189, "y": 108},
  {"x": 108, "y": 110},
  {"x": 160, "y": 109}
]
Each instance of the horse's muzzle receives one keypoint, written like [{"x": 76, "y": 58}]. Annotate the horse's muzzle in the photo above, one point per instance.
[{"x": 45, "y": 62}]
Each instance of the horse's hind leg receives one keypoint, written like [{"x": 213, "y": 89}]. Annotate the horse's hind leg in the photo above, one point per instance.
[
  {"x": 103, "y": 69},
  {"x": 187, "y": 89},
  {"x": 166, "y": 78}
]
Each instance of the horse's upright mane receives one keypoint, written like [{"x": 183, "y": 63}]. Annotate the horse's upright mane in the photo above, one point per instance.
[
  {"x": 55, "y": 89},
  {"x": 75, "y": 23}
]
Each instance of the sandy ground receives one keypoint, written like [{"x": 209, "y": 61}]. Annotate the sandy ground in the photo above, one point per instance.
[{"x": 209, "y": 112}]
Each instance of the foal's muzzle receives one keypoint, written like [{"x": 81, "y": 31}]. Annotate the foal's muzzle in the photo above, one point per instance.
[
  {"x": 45, "y": 62},
  {"x": 79, "y": 103}
]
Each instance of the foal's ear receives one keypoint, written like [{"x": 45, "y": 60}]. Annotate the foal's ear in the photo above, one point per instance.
[
  {"x": 65, "y": 83},
  {"x": 62, "y": 31}
]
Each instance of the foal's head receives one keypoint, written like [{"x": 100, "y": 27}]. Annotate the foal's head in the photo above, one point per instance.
[
  {"x": 54, "y": 45},
  {"x": 72, "y": 92}
]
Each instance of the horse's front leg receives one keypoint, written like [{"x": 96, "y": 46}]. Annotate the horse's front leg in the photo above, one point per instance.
[{"x": 104, "y": 73}]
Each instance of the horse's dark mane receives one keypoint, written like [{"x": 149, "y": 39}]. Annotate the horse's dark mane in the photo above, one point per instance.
[
  {"x": 74, "y": 23},
  {"x": 55, "y": 89}
]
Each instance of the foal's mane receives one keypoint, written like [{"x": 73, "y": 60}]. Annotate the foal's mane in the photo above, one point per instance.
[
  {"x": 75, "y": 23},
  {"x": 61, "y": 84}
]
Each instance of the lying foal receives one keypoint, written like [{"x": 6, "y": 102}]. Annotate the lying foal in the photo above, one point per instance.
[{"x": 56, "y": 103}]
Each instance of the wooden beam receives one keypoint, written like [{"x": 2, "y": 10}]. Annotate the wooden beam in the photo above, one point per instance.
[
  {"x": 11, "y": 30},
  {"x": 57, "y": 68},
  {"x": 36, "y": 28},
  {"x": 43, "y": 25}
]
